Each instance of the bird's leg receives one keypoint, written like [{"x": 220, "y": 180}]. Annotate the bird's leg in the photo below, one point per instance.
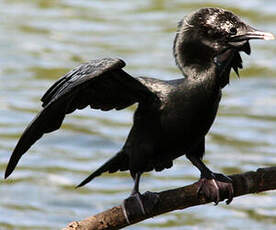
[
  {"x": 138, "y": 204},
  {"x": 136, "y": 178},
  {"x": 211, "y": 183},
  {"x": 135, "y": 192}
]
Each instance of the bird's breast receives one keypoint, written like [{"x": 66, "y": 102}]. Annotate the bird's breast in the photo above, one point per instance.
[{"x": 188, "y": 117}]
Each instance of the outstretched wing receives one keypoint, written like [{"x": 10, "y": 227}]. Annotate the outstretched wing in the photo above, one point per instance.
[{"x": 101, "y": 83}]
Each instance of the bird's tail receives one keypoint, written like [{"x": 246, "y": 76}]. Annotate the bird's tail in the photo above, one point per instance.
[{"x": 118, "y": 162}]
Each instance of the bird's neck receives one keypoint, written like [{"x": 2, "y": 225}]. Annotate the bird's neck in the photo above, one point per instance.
[{"x": 196, "y": 62}]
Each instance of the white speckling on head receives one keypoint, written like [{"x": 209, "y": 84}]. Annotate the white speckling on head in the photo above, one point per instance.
[
  {"x": 226, "y": 25},
  {"x": 211, "y": 19}
]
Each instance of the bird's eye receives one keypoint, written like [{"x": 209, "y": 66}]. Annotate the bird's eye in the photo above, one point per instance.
[{"x": 233, "y": 31}]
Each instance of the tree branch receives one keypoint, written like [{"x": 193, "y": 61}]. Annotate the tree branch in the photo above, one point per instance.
[{"x": 262, "y": 179}]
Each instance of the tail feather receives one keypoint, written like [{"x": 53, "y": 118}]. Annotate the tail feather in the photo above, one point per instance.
[{"x": 118, "y": 162}]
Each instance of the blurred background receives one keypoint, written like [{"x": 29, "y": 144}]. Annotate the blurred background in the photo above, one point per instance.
[{"x": 40, "y": 40}]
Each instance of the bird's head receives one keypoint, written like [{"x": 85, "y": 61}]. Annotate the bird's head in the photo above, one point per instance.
[{"x": 213, "y": 36}]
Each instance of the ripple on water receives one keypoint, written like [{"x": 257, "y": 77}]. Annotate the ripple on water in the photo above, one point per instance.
[{"x": 41, "y": 40}]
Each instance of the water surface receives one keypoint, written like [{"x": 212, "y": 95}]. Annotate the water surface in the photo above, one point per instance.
[{"x": 42, "y": 39}]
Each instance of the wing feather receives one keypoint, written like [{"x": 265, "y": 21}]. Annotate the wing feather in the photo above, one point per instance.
[{"x": 100, "y": 84}]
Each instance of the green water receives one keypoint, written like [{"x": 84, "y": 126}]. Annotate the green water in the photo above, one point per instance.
[{"x": 42, "y": 39}]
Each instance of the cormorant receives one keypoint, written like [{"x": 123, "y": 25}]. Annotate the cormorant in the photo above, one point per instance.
[{"x": 172, "y": 117}]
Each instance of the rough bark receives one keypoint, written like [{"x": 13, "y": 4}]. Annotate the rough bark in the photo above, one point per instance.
[{"x": 262, "y": 179}]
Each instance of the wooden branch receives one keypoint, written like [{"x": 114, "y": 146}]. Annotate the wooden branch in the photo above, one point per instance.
[{"x": 250, "y": 182}]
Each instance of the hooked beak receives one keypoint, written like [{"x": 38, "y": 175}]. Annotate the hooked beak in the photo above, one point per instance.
[
  {"x": 252, "y": 33},
  {"x": 259, "y": 35},
  {"x": 240, "y": 42}
]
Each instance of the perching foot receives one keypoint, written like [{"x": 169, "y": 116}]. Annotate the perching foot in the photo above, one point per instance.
[
  {"x": 139, "y": 205},
  {"x": 211, "y": 187}
]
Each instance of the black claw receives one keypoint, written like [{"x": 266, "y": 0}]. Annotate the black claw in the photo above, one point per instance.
[
  {"x": 231, "y": 195},
  {"x": 228, "y": 201}
]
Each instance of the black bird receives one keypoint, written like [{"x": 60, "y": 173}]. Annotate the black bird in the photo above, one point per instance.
[{"x": 172, "y": 117}]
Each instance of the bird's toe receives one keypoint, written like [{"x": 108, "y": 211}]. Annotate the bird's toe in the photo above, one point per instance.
[
  {"x": 215, "y": 190},
  {"x": 222, "y": 178},
  {"x": 150, "y": 200},
  {"x": 138, "y": 205}
]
